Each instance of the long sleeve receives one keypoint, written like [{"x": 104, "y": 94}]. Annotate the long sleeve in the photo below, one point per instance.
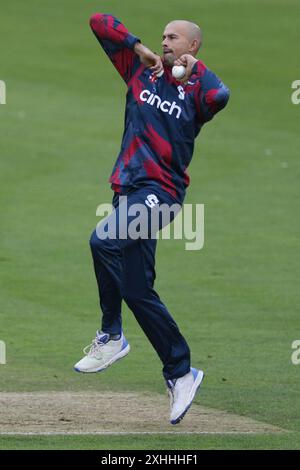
[
  {"x": 211, "y": 95},
  {"x": 117, "y": 42}
]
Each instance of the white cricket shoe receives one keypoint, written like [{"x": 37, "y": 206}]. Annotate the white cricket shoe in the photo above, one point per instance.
[
  {"x": 102, "y": 353},
  {"x": 182, "y": 392}
]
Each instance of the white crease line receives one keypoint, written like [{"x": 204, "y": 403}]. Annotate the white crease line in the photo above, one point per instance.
[{"x": 125, "y": 433}]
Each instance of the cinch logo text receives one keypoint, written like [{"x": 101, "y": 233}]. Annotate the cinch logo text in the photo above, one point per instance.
[{"x": 165, "y": 106}]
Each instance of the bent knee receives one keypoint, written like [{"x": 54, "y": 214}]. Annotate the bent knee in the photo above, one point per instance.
[
  {"x": 135, "y": 296},
  {"x": 97, "y": 243},
  {"x": 94, "y": 240}
]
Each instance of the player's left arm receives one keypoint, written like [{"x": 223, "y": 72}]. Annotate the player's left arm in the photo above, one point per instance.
[{"x": 211, "y": 95}]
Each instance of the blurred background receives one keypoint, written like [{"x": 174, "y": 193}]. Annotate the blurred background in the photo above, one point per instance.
[{"x": 237, "y": 300}]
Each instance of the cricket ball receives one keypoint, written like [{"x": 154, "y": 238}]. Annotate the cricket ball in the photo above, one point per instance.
[{"x": 178, "y": 71}]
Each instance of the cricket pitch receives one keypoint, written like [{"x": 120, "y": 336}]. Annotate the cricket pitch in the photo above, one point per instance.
[{"x": 113, "y": 413}]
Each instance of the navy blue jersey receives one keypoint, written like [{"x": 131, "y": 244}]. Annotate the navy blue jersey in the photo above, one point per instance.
[{"x": 163, "y": 116}]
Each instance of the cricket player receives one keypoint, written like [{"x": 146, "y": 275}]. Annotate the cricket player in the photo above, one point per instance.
[{"x": 163, "y": 117}]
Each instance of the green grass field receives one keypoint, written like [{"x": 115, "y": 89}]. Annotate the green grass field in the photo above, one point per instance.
[{"x": 237, "y": 300}]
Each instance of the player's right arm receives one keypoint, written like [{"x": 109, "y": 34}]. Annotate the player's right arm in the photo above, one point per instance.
[{"x": 123, "y": 48}]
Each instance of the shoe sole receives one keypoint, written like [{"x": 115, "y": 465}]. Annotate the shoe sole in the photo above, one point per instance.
[
  {"x": 115, "y": 358},
  {"x": 194, "y": 391}
]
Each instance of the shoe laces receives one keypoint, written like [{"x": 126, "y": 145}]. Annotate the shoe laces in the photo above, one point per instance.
[
  {"x": 172, "y": 392},
  {"x": 94, "y": 347},
  {"x": 171, "y": 397}
]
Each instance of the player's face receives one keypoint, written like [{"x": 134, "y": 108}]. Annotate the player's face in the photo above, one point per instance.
[{"x": 175, "y": 43}]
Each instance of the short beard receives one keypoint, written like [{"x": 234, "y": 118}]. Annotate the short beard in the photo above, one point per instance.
[{"x": 169, "y": 59}]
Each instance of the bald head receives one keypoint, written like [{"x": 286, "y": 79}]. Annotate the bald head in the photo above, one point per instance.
[
  {"x": 181, "y": 37},
  {"x": 188, "y": 29}
]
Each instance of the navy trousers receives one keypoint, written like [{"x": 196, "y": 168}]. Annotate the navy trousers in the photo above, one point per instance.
[{"x": 125, "y": 270}]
